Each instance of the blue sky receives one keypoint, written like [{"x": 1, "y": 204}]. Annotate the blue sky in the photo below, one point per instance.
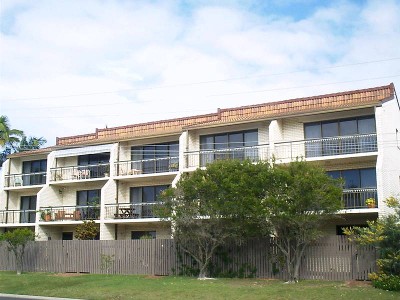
[{"x": 68, "y": 67}]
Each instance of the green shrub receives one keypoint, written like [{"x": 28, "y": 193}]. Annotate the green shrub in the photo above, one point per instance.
[{"x": 385, "y": 282}]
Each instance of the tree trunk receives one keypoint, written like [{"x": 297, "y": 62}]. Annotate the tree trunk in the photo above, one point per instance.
[
  {"x": 18, "y": 261},
  {"x": 202, "y": 275},
  {"x": 296, "y": 269},
  {"x": 203, "y": 271}
]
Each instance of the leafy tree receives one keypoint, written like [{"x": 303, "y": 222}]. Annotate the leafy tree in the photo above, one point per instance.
[
  {"x": 300, "y": 196},
  {"x": 210, "y": 206},
  {"x": 30, "y": 143},
  {"x": 384, "y": 234},
  {"x": 88, "y": 230},
  {"x": 16, "y": 242}
]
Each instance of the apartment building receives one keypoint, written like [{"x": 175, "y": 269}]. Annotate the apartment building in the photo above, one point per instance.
[{"x": 113, "y": 176}]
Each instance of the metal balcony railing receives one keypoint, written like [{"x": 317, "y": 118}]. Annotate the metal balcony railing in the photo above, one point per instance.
[
  {"x": 146, "y": 166},
  {"x": 25, "y": 179},
  {"x": 130, "y": 211},
  {"x": 17, "y": 216},
  {"x": 80, "y": 172},
  {"x": 203, "y": 157},
  {"x": 69, "y": 213},
  {"x": 355, "y": 198},
  {"x": 362, "y": 143}
]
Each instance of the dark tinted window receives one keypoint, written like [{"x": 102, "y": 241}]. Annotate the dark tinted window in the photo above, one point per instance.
[
  {"x": 88, "y": 197},
  {"x": 330, "y": 129},
  {"x": 229, "y": 140},
  {"x": 93, "y": 159},
  {"x": 344, "y": 127},
  {"x": 368, "y": 178},
  {"x": 352, "y": 178},
  {"x": 366, "y": 125},
  {"x": 35, "y": 171},
  {"x": 312, "y": 131},
  {"x": 251, "y": 138},
  {"x": 356, "y": 178},
  {"x": 28, "y": 207},
  {"x": 221, "y": 141},
  {"x": 137, "y": 235},
  {"x": 348, "y": 127},
  {"x": 146, "y": 194},
  {"x": 67, "y": 236}
]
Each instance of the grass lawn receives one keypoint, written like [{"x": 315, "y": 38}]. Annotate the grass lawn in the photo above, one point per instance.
[{"x": 147, "y": 287}]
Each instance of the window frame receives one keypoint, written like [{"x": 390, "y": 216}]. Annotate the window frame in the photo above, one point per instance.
[
  {"x": 338, "y": 121},
  {"x": 156, "y": 158},
  {"x": 142, "y": 233},
  {"x": 29, "y": 172},
  {"x": 28, "y": 217},
  {"x": 210, "y": 150}
]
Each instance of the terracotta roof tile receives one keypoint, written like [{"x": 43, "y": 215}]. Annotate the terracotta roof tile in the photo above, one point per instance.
[
  {"x": 46, "y": 150},
  {"x": 343, "y": 100}
]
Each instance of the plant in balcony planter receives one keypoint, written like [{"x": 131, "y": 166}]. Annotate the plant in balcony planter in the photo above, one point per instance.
[
  {"x": 370, "y": 202},
  {"x": 45, "y": 215},
  {"x": 59, "y": 176},
  {"x": 93, "y": 210},
  {"x": 107, "y": 171},
  {"x": 174, "y": 166}
]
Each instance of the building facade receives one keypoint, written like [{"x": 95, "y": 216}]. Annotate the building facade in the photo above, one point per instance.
[{"x": 113, "y": 176}]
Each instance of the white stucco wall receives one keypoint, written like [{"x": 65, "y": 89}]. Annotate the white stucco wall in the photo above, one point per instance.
[{"x": 388, "y": 162}]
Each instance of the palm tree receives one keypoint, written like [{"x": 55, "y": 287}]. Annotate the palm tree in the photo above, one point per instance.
[{"x": 9, "y": 138}]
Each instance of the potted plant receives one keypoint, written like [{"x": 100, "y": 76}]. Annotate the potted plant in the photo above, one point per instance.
[
  {"x": 173, "y": 166},
  {"x": 45, "y": 215},
  {"x": 107, "y": 171},
  {"x": 370, "y": 202}
]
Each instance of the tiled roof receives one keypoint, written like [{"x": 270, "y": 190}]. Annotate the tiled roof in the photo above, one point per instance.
[
  {"x": 330, "y": 102},
  {"x": 46, "y": 150}
]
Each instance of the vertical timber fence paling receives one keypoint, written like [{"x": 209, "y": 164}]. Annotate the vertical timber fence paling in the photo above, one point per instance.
[{"x": 331, "y": 258}]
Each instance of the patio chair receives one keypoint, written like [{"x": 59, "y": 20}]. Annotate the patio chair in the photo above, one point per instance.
[{"x": 18, "y": 181}]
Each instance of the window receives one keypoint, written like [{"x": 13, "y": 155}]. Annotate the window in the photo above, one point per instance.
[
  {"x": 28, "y": 209},
  {"x": 67, "y": 236},
  {"x": 94, "y": 159},
  {"x": 89, "y": 200},
  {"x": 357, "y": 178},
  {"x": 34, "y": 172},
  {"x": 143, "y": 235},
  {"x": 340, "y": 228},
  {"x": 348, "y": 131},
  {"x": 97, "y": 164},
  {"x": 359, "y": 185},
  {"x": 156, "y": 158},
  {"x": 147, "y": 196},
  {"x": 231, "y": 145}
]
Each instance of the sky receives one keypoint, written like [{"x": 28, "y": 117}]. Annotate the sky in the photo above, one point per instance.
[{"x": 69, "y": 67}]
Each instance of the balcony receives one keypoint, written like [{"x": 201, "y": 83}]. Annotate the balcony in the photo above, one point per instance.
[
  {"x": 355, "y": 198},
  {"x": 147, "y": 166},
  {"x": 80, "y": 172},
  {"x": 327, "y": 147},
  {"x": 28, "y": 179},
  {"x": 129, "y": 211},
  {"x": 194, "y": 159},
  {"x": 18, "y": 216},
  {"x": 69, "y": 213}
]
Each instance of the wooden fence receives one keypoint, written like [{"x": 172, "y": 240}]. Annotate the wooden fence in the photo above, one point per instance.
[{"x": 333, "y": 258}]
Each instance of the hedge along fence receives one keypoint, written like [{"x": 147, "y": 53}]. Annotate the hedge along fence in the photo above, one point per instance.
[{"x": 331, "y": 258}]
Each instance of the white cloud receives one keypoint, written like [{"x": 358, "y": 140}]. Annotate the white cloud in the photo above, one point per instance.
[{"x": 151, "y": 52}]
